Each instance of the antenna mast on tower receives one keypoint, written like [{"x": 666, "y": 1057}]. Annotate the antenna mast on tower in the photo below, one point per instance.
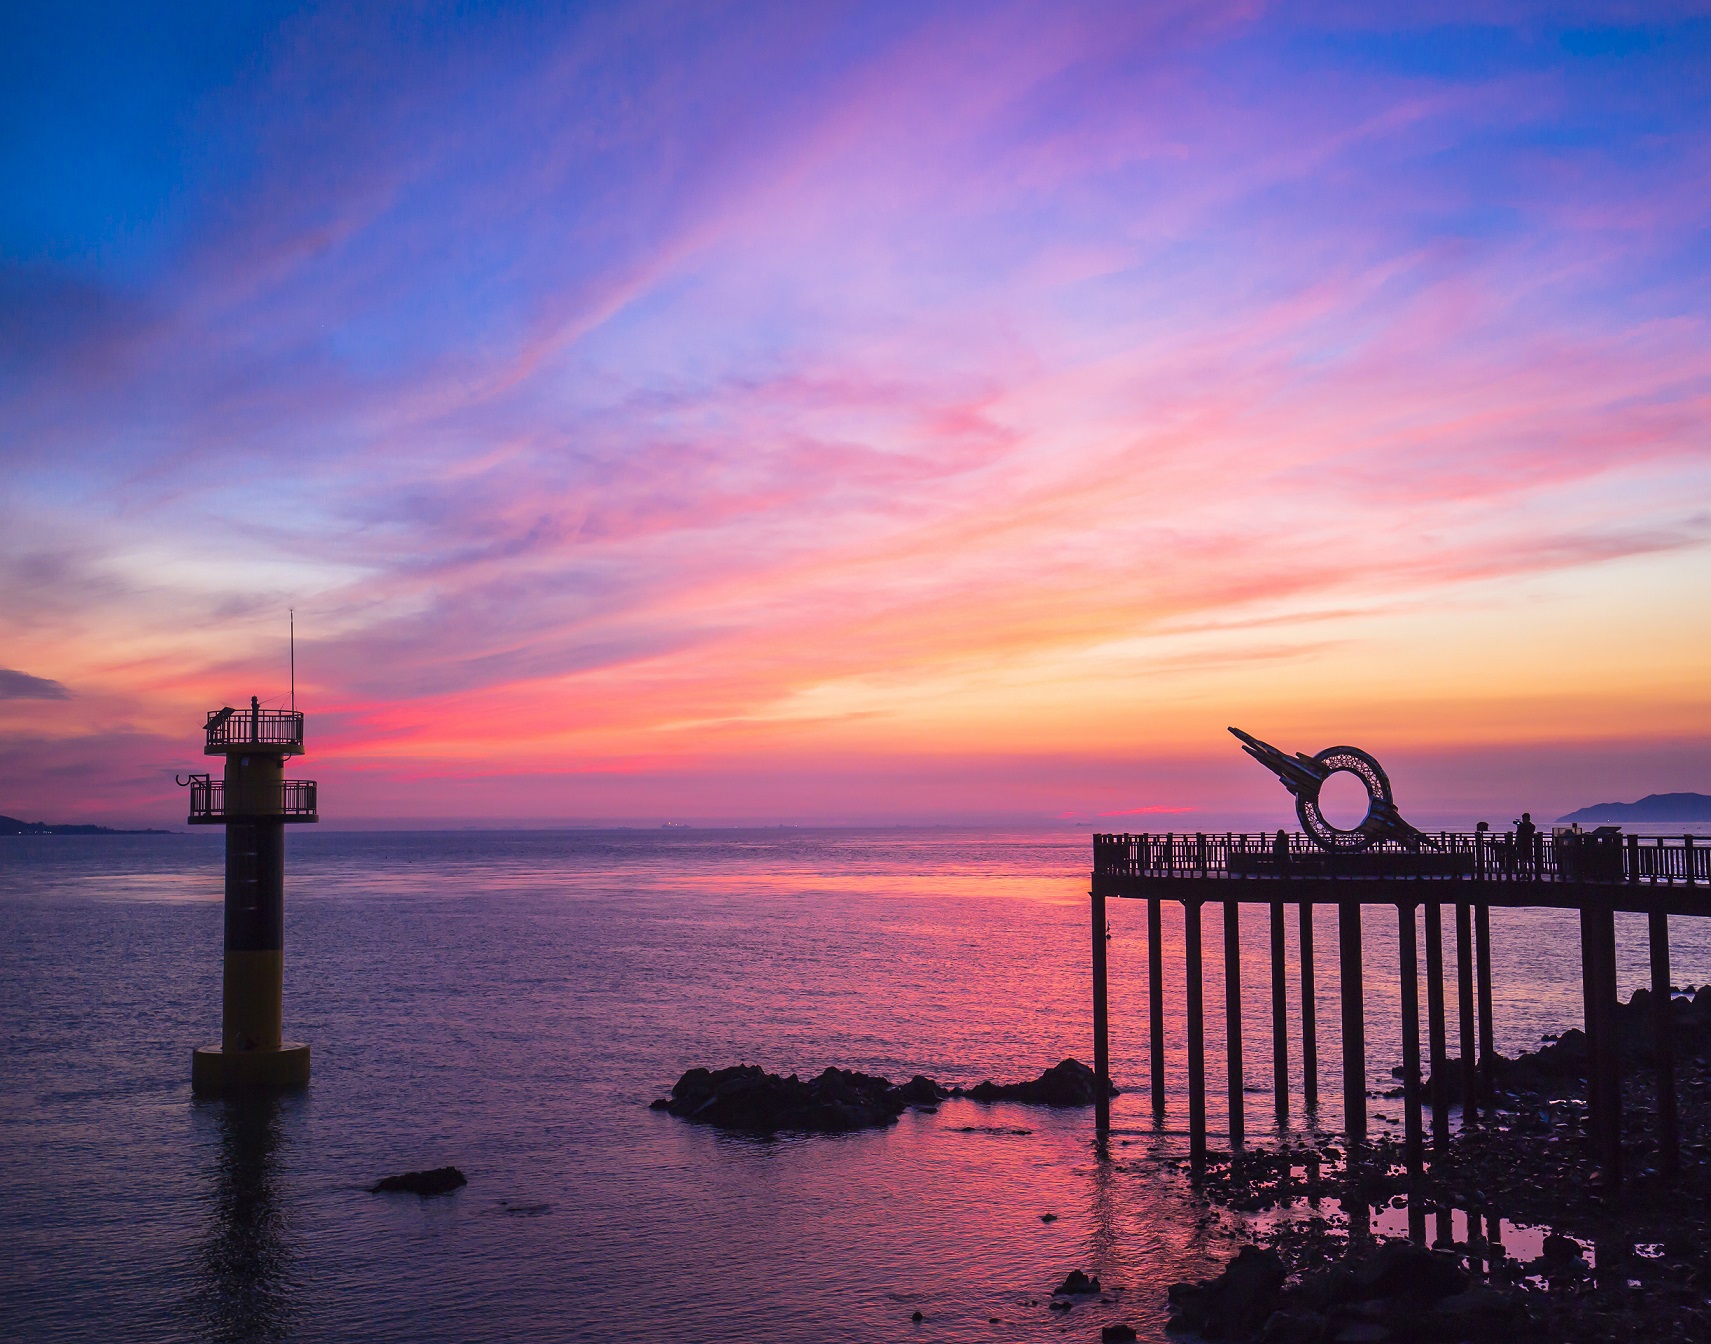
[{"x": 293, "y": 611}]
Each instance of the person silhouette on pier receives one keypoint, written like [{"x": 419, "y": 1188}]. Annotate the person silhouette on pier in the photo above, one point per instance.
[
  {"x": 1280, "y": 850},
  {"x": 1526, "y": 843}
]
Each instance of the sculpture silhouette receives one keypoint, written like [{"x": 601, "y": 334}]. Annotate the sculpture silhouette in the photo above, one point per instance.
[{"x": 1304, "y": 775}]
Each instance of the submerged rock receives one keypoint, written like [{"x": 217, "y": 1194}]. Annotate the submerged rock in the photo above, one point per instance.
[
  {"x": 1069, "y": 1083},
  {"x": 1075, "y": 1284},
  {"x": 439, "y": 1181},
  {"x": 838, "y": 1100}
]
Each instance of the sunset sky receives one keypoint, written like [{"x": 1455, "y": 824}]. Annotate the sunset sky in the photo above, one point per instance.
[{"x": 746, "y": 412}]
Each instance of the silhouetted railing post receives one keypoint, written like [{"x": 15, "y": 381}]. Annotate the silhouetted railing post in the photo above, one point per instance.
[
  {"x": 1155, "y": 999},
  {"x": 1464, "y": 995},
  {"x": 1354, "y": 1025},
  {"x": 1309, "y": 1016},
  {"x": 1435, "y": 1026},
  {"x": 1101, "y": 1023},
  {"x": 1196, "y": 1036},
  {"x": 1408, "y": 956},
  {"x": 1663, "y": 1045},
  {"x": 1279, "y": 1016}
]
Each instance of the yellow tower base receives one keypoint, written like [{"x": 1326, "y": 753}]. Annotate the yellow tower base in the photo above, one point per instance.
[{"x": 215, "y": 1070}]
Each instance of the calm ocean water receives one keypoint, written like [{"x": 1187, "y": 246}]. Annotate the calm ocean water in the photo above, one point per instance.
[{"x": 510, "y": 1002}]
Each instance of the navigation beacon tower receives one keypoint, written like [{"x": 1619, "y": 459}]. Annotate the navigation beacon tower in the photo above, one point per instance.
[{"x": 254, "y": 802}]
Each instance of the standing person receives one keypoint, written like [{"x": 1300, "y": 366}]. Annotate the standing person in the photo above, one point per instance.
[
  {"x": 1527, "y": 843},
  {"x": 1280, "y": 850}
]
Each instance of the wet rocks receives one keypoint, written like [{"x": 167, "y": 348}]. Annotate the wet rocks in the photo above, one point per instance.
[
  {"x": 1076, "y": 1284},
  {"x": 1565, "y": 1056},
  {"x": 1409, "y": 1273},
  {"x": 439, "y": 1181},
  {"x": 920, "y": 1091},
  {"x": 748, "y": 1098},
  {"x": 1391, "y": 1291},
  {"x": 838, "y": 1100},
  {"x": 1117, "y": 1334},
  {"x": 1235, "y": 1304},
  {"x": 1067, "y": 1083}
]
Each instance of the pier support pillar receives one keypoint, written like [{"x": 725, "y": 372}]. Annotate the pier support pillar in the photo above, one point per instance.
[
  {"x": 1610, "y": 1075},
  {"x": 1663, "y": 1046},
  {"x": 1482, "y": 945},
  {"x": 1408, "y": 956},
  {"x": 1233, "y": 1021},
  {"x": 1464, "y": 997},
  {"x": 1196, "y": 1037},
  {"x": 1155, "y": 1000},
  {"x": 1279, "y": 1016},
  {"x": 1354, "y": 1026},
  {"x": 1603, "y": 1073},
  {"x": 1435, "y": 1027},
  {"x": 1101, "y": 1024},
  {"x": 1309, "y": 1015}
]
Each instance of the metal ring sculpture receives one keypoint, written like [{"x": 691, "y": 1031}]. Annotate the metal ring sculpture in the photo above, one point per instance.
[
  {"x": 1351, "y": 761},
  {"x": 1305, "y": 775}
]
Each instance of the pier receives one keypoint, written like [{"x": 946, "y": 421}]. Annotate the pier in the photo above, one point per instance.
[
  {"x": 1409, "y": 874},
  {"x": 1596, "y": 874}
]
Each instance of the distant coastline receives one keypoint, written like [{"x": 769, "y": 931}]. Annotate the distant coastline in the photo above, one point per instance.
[
  {"x": 12, "y": 826},
  {"x": 1654, "y": 807}
]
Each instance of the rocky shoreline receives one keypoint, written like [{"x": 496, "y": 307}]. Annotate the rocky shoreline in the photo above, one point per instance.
[
  {"x": 1594, "y": 1264},
  {"x": 747, "y": 1098}
]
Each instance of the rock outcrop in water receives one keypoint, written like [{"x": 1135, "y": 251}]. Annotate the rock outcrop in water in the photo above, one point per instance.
[
  {"x": 1068, "y": 1083},
  {"x": 838, "y": 1100},
  {"x": 748, "y": 1098},
  {"x": 1566, "y": 1056},
  {"x": 439, "y": 1181},
  {"x": 1076, "y": 1284}
]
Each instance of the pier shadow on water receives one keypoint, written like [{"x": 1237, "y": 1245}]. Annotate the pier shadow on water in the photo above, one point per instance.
[{"x": 242, "y": 1285}]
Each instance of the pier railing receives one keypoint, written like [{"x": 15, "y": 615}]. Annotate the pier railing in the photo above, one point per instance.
[
  {"x": 1602, "y": 856},
  {"x": 296, "y": 802},
  {"x": 230, "y": 729}
]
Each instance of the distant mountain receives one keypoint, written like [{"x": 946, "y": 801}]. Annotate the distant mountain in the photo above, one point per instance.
[
  {"x": 12, "y": 826},
  {"x": 1653, "y": 807}
]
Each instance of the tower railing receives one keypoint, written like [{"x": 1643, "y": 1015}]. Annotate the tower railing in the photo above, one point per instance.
[
  {"x": 274, "y": 728},
  {"x": 296, "y": 802}
]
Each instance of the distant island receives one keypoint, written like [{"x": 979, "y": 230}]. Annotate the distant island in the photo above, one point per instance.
[
  {"x": 1653, "y": 807},
  {"x": 12, "y": 826}
]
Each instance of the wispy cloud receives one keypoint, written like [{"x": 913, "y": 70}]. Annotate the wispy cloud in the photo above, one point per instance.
[{"x": 15, "y": 685}]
